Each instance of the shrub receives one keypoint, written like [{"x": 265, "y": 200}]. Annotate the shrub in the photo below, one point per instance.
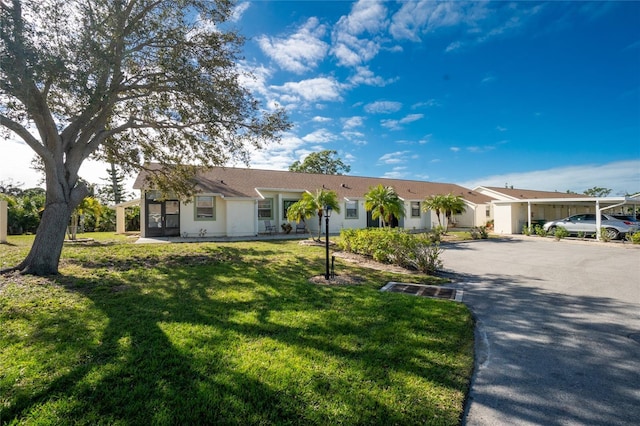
[
  {"x": 634, "y": 237},
  {"x": 426, "y": 258},
  {"x": 490, "y": 224},
  {"x": 581, "y": 234},
  {"x": 540, "y": 231},
  {"x": 560, "y": 233},
  {"x": 604, "y": 235},
  {"x": 394, "y": 246},
  {"x": 526, "y": 230},
  {"x": 478, "y": 233}
]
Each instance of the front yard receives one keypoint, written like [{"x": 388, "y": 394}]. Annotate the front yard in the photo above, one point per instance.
[{"x": 234, "y": 333}]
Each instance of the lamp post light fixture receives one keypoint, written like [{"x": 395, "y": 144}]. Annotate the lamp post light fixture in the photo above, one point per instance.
[{"x": 327, "y": 215}]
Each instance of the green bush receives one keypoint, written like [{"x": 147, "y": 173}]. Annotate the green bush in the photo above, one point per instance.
[
  {"x": 540, "y": 231},
  {"x": 394, "y": 246},
  {"x": 526, "y": 230},
  {"x": 560, "y": 233},
  {"x": 634, "y": 237},
  {"x": 478, "y": 232},
  {"x": 604, "y": 235}
]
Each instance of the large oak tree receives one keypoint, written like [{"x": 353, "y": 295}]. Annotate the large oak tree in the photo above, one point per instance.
[{"x": 134, "y": 81}]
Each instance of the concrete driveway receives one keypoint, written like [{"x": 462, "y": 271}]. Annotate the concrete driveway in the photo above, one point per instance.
[{"x": 558, "y": 330}]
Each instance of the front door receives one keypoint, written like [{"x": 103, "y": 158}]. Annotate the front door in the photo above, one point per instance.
[
  {"x": 163, "y": 218},
  {"x": 372, "y": 223}
]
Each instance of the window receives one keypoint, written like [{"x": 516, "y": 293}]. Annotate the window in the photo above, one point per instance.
[
  {"x": 488, "y": 211},
  {"x": 265, "y": 209},
  {"x": 285, "y": 207},
  {"x": 205, "y": 207},
  {"x": 351, "y": 208},
  {"x": 415, "y": 209}
]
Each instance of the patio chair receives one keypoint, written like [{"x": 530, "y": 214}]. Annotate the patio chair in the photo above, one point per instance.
[
  {"x": 268, "y": 227},
  {"x": 301, "y": 228}
]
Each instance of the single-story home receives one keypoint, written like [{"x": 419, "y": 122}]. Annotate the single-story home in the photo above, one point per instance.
[
  {"x": 236, "y": 202},
  {"x": 512, "y": 208}
]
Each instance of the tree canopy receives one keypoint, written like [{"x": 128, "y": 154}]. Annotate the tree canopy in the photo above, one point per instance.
[
  {"x": 133, "y": 81},
  {"x": 597, "y": 191},
  {"x": 314, "y": 203},
  {"x": 383, "y": 202},
  {"x": 448, "y": 205},
  {"x": 322, "y": 162}
]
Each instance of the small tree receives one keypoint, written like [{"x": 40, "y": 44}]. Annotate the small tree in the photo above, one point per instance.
[
  {"x": 383, "y": 202},
  {"x": 321, "y": 162},
  {"x": 597, "y": 191},
  {"x": 436, "y": 203},
  {"x": 453, "y": 204},
  {"x": 311, "y": 204}
]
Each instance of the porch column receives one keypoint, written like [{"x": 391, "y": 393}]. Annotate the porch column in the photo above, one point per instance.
[
  {"x": 4, "y": 221},
  {"x": 120, "y": 220},
  {"x": 529, "y": 214},
  {"x": 598, "y": 221}
]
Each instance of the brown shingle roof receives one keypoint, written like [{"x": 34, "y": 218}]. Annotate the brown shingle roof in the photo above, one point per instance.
[
  {"x": 241, "y": 182},
  {"x": 528, "y": 194}
]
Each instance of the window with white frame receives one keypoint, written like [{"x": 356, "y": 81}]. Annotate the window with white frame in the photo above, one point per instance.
[
  {"x": 415, "y": 209},
  {"x": 351, "y": 210},
  {"x": 265, "y": 209},
  {"x": 488, "y": 211},
  {"x": 205, "y": 207}
]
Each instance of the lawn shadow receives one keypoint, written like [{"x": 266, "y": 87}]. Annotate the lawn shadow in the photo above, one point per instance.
[{"x": 148, "y": 368}]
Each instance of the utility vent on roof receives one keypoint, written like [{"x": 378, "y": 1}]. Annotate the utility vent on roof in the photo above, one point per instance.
[{"x": 435, "y": 292}]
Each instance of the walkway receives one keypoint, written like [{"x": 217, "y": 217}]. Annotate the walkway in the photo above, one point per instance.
[{"x": 558, "y": 331}]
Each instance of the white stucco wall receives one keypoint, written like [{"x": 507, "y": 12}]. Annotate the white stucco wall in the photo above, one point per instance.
[
  {"x": 503, "y": 220},
  {"x": 241, "y": 218}
]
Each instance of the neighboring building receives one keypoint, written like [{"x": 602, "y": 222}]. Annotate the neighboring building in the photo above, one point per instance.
[
  {"x": 513, "y": 208},
  {"x": 236, "y": 202}
]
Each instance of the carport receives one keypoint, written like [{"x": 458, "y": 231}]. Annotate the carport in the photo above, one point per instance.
[{"x": 511, "y": 215}]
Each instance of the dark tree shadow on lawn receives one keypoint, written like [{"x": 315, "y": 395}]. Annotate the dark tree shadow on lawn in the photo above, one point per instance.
[{"x": 148, "y": 366}]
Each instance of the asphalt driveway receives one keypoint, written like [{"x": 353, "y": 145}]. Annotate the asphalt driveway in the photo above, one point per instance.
[{"x": 558, "y": 330}]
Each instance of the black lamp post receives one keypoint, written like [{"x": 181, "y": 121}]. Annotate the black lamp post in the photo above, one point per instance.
[{"x": 327, "y": 215}]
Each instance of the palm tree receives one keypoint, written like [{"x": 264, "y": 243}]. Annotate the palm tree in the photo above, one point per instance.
[
  {"x": 311, "y": 204},
  {"x": 454, "y": 204},
  {"x": 436, "y": 203},
  {"x": 383, "y": 202},
  {"x": 446, "y": 204}
]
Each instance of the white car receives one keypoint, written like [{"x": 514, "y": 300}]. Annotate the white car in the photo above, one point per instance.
[{"x": 586, "y": 223}]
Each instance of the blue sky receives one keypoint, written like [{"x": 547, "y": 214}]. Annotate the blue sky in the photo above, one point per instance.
[{"x": 530, "y": 94}]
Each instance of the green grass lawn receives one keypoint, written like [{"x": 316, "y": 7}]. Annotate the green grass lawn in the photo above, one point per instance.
[{"x": 234, "y": 333}]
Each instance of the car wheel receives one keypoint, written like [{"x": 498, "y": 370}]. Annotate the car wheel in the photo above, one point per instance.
[
  {"x": 612, "y": 233},
  {"x": 551, "y": 230}
]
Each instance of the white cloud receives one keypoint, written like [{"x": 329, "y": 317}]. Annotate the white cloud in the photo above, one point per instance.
[
  {"x": 397, "y": 124},
  {"x": 397, "y": 173},
  {"x": 320, "y": 119},
  {"x": 501, "y": 129},
  {"x": 382, "y": 107},
  {"x": 428, "y": 104},
  {"x": 397, "y": 157},
  {"x": 319, "y": 136},
  {"x": 366, "y": 16},
  {"x": 621, "y": 177},
  {"x": 454, "y": 149},
  {"x": 239, "y": 10},
  {"x": 352, "y": 122},
  {"x": 365, "y": 76},
  {"x": 300, "y": 52},
  {"x": 313, "y": 90}
]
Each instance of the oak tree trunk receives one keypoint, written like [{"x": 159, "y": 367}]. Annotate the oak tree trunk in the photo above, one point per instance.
[{"x": 45, "y": 252}]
